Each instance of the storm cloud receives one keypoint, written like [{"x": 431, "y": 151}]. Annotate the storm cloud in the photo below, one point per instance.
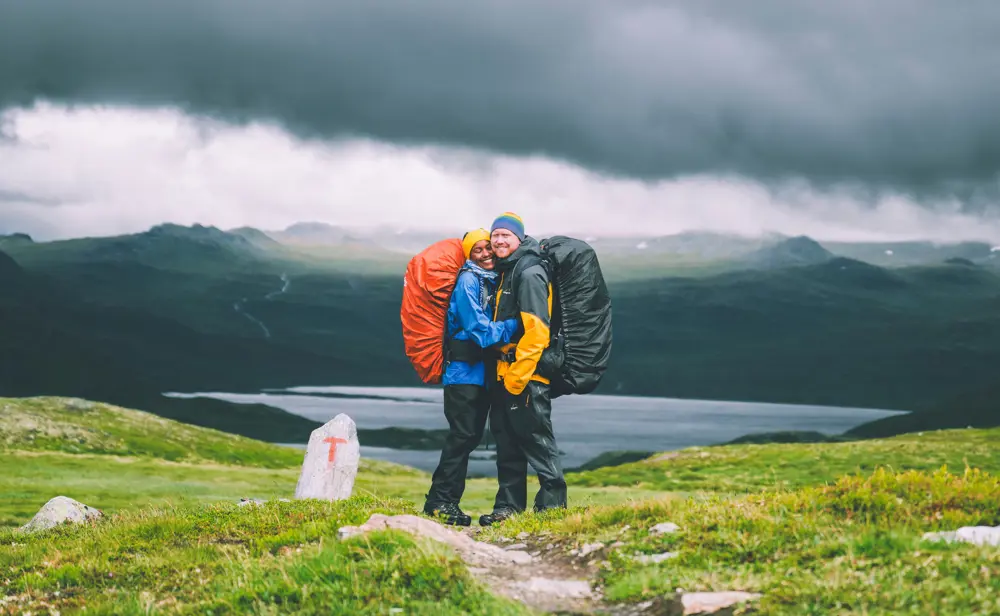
[
  {"x": 896, "y": 96},
  {"x": 70, "y": 172}
]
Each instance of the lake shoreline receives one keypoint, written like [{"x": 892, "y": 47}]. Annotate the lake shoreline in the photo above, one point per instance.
[{"x": 404, "y": 424}]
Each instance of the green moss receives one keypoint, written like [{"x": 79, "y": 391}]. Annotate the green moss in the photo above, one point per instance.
[
  {"x": 78, "y": 426},
  {"x": 815, "y": 528},
  {"x": 744, "y": 468},
  {"x": 850, "y": 547},
  {"x": 230, "y": 560}
]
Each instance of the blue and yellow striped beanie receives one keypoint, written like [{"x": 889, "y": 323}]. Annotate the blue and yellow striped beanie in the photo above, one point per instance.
[{"x": 510, "y": 221}]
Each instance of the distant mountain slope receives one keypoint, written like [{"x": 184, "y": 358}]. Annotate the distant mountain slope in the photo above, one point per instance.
[
  {"x": 979, "y": 408},
  {"x": 167, "y": 246},
  {"x": 382, "y": 237},
  {"x": 256, "y": 237},
  {"x": 840, "y": 333},
  {"x": 10, "y": 271},
  {"x": 53, "y": 342},
  {"x": 792, "y": 252},
  {"x": 702, "y": 245},
  {"x": 901, "y": 254},
  {"x": 116, "y": 322}
]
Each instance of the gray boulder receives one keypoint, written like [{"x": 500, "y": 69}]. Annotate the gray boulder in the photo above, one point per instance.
[
  {"x": 977, "y": 535},
  {"x": 61, "y": 510}
]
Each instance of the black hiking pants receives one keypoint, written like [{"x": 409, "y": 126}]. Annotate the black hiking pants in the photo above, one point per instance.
[
  {"x": 522, "y": 428},
  {"x": 466, "y": 408}
]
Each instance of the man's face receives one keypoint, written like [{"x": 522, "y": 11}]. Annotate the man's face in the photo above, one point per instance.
[
  {"x": 482, "y": 255},
  {"x": 504, "y": 243}
]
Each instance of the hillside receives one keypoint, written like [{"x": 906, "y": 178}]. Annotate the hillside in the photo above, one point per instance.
[
  {"x": 55, "y": 342},
  {"x": 841, "y": 333},
  {"x": 124, "y": 325},
  {"x": 903, "y": 254},
  {"x": 979, "y": 408},
  {"x": 793, "y": 523},
  {"x": 10, "y": 271},
  {"x": 792, "y": 252}
]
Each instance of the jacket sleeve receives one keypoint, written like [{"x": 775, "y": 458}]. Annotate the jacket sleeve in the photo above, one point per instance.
[
  {"x": 473, "y": 319},
  {"x": 536, "y": 309}
]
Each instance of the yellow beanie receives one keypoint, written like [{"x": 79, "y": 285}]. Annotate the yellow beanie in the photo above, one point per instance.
[{"x": 472, "y": 238}]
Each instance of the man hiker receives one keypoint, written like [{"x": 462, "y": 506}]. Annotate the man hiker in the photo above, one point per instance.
[
  {"x": 520, "y": 415},
  {"x": 470, "y": 329}
]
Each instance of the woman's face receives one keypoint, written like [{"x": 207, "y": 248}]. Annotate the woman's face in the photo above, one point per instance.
[{"x": 482, "y": 255}]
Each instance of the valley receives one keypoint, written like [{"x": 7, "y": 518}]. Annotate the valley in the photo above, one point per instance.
[{"x": 698, "y": 316}]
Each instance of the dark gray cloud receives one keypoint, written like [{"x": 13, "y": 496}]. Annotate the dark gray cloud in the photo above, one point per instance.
[{"x": 891, "y": 94}]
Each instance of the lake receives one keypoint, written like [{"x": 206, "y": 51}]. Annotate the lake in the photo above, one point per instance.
[{"x": 585, "y": 426}]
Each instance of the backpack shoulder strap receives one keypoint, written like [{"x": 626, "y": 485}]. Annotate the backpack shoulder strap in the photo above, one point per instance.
[{"x": 524, "y": 263}]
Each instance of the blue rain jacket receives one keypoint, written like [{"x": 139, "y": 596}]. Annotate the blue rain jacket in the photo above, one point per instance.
[{"x": 469, "y": 319}]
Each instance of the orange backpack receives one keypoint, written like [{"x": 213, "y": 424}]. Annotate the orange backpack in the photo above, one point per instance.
[{"x": 427, "y": 286}]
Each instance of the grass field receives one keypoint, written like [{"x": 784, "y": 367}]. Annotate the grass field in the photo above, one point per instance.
[{"x": 816, "y": 528}]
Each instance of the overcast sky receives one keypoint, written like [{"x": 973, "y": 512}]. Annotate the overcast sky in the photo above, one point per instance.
[{"x": 840, "y": 120}]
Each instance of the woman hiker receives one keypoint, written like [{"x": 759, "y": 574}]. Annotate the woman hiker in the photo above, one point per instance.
[{"x": 470, "y": 330}]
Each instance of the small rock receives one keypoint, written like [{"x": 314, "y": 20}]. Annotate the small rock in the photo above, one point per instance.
[
  {"x": 977, "y": 535},
  {"x": 618, "y": 544},
  {"x": 664, "y": 528},
  {"x": 523, "y": 536},
  {"x": 590, "y": 548},
  {"x": 346, "y": 532},
  {"x": 250, "y": 501},
  {"x": 505, "y": 539},
  {"x": 712, "y": 602},
  {"x": 473, "y": 552},
  {"x": 649, "y": 559},
  {"x": 516, "y": 546},
  {"x": 947, "y": 536},
  {"x": 61, "y": 510},
  {"x": 665, "y": 457},
  {"x": 562, "y": 589},
  {"x": 75, "y": 404}
]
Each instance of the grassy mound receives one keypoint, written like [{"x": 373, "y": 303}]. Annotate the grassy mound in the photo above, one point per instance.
[
  {"x": 275, "y": 558},
  {"x": 815, "y": 528},
  {"x": 853, "y": 546},
  {"x": 751, "y": 467},
  {"x": 78, "y": 426},
  {"x": 114, "y": 458}
]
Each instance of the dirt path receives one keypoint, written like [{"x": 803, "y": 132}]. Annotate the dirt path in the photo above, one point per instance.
[{"x": 544, "y": 575}]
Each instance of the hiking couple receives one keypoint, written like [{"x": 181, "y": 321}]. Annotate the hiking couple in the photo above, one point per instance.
[{"x": 497, "y": 328}]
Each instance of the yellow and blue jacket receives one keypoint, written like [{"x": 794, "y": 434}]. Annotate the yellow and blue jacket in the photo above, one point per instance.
[{"x": 524, "y": 293}]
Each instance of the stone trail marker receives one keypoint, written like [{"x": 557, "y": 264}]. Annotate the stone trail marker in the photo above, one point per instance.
[{"x": 331, "y": 461}]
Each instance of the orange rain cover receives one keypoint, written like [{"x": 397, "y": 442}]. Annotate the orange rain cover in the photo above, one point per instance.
[{"x": 427, "y": 286}]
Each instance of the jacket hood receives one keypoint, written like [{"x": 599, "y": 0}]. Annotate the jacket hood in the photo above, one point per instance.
[{"x": 529, "y": 246}]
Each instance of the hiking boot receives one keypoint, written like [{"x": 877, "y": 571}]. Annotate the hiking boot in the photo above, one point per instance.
[
  {"x": 496, "y": 517},
  {"x": 449, "y": 513}
]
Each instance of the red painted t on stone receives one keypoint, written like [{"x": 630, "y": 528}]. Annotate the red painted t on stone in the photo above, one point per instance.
[{"x": 333, "y": 440}]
